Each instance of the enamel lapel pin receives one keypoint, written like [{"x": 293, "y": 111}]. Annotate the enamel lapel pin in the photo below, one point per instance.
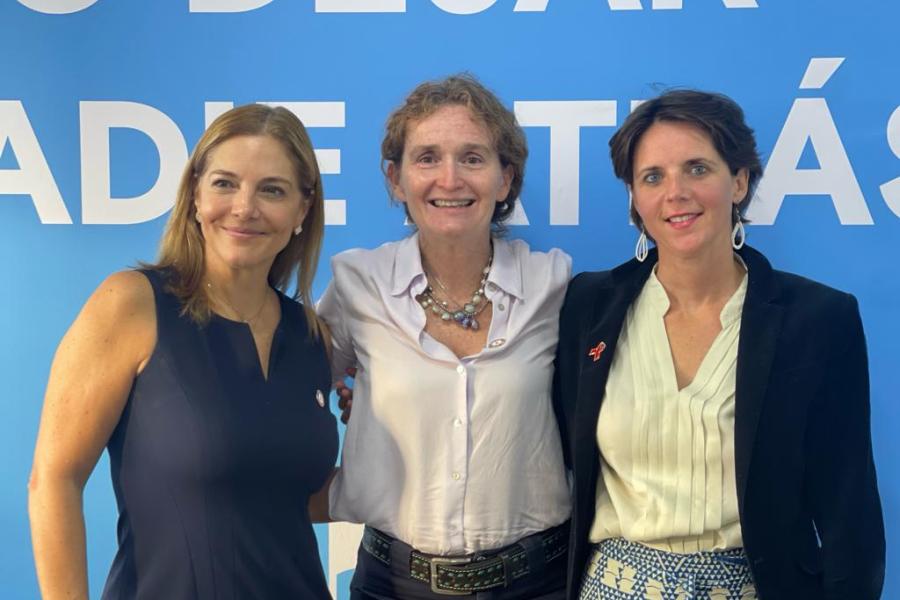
[{"x": 596, "y": 351}]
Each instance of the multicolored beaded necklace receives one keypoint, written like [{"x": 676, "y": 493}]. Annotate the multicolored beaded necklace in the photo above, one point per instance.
[{"x": 451, "y": 312}]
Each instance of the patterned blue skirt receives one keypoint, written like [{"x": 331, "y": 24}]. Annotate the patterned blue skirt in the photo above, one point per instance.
[{"x": 622, "y": 570}]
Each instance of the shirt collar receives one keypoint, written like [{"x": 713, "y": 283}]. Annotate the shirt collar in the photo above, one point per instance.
[
  {"x": 408, "y": 271},
  {"x": 731, "y": 312},
  {"x": 505, "y": 273}
]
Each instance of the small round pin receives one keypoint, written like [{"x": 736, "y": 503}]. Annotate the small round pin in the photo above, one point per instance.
[{"x": 320, "y": 398}]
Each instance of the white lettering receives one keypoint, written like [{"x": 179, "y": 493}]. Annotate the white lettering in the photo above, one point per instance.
[
  {"x": 457, "y": 7},
  {"x": 98, "y": 205},
  {"x": 674, "y": 4},
  {"x": 565, "y": 120},
  {"x": 225, "y": 6},
  {"x": 360, "y": 6},
  {"x": 57, "y": 7},
  {"x": 810, "y": 121},
  {"x": 33, "y": 177},
  {"x": 890, "y": 191},
  {"x": 463, "y": 7},
  {"x": 312, "y": 114},
  {"x": 531, "y": 5},
  {"x": 625, "y": 5},
  {"x": 818, "y": 72},
  {"x": 677, "y": 4}
]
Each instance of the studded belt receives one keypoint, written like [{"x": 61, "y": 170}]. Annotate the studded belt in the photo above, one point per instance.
[{"x": 464, "y": 575}]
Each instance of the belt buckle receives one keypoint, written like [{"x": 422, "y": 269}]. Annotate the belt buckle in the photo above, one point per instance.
[{"x": 434, "y": 562}]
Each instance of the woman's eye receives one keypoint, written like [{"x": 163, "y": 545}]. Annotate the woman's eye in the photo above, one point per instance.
[
  {"x": 426, "y": 159},
  {"x": 473, "y": 160},
  {"x": 652, "y": 178},
  {"x": 222, "y": 183},
  {"x": 272, "y": 190},
  {"x": 699, "y": 170}
]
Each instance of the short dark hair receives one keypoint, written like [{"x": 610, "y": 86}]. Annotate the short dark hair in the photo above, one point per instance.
[
  {"x": 716, "y": 114},
  {"x": 462, "y": 90}
]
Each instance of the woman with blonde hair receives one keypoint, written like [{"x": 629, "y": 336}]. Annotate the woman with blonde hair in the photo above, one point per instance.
[{"x": 207, "y": 385}]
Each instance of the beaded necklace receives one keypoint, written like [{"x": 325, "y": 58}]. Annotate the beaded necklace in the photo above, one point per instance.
[{"x": 451, "y": 312}]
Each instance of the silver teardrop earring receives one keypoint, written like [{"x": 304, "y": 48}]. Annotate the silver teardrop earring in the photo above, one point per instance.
[
  {"x": 738, "y": 235},
  {"x": 298, "y": 229},
  {"x": 642, "y": 248}
]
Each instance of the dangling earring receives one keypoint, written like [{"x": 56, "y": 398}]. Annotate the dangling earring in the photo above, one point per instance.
[
  {"x": 641, "y": 249},
  {"x": 298, "y": 229},
  {"x": 738, "y": 235}
]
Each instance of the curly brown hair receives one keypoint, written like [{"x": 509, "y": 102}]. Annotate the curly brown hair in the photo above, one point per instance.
[{"x": 465, "y": 90}]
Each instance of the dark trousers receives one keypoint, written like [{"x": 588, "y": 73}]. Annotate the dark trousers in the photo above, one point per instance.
[{"x": 373, "y": 580}]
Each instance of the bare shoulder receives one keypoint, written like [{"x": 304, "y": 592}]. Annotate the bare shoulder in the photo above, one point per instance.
[
  {"x": 93, "y": 370},
  {"x": 120, "y": 315},
  {"x": 126, "y": 292}
]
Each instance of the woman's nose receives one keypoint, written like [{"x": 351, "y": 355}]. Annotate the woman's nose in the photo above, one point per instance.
[{"x": 244, "y": 204}]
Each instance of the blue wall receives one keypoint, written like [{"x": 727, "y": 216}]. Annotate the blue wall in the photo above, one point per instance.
[{"x": 99, "y": 106}]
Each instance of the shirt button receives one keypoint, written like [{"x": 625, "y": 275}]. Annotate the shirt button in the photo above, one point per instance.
[
  {"x": 501, "y": 306},
  {"x": 497, "y": 343},
  {"x": 455, "y": 476},
  {"x": 461, "y": 370},
  {"x": 457, "y": 422},
  {"x": 492, "y": 287}
]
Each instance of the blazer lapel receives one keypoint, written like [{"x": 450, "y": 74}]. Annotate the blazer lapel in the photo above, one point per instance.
[
  {"x": 598, "y": 347},
  {"x": 760, "y": 326}
]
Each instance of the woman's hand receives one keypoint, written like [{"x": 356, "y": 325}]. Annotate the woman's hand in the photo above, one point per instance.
[
  {"x": 345, "y": 395},
  {"x": 92, "y": 373}
]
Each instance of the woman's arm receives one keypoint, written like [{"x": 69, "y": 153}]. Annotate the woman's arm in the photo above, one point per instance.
[
  {"x": 92, "y": 373},
  {"x": 318, "y": 502},
  {"x": 841, "y": 473}
]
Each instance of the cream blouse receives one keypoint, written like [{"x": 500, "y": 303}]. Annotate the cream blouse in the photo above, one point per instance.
[{"x": 667, "y": 455}]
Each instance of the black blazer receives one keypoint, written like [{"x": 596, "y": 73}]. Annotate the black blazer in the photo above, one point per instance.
[{"x": 809, "y": 507}]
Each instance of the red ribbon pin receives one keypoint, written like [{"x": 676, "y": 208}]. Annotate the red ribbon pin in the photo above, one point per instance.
[{"x": 596, "y": 351}]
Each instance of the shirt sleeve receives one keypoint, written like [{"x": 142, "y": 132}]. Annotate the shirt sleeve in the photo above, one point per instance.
[{"x": 330, "y": 309}]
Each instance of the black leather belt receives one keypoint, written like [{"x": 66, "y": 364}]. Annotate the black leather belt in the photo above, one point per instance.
[{"x": 464, "y": 575}]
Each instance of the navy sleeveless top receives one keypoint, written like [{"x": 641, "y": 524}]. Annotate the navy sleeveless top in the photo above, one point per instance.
[{"x": 213, "y": 465}]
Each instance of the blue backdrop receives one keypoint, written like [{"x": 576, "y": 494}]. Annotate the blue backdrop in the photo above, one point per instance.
[{"x": 101, "y": 99}]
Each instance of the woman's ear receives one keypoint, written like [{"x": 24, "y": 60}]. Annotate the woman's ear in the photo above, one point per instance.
[
  {"x": 393, "y": 176},
  {"x": 741, "y": 185}
]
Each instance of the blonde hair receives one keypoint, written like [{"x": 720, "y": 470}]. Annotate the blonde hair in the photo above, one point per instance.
[{"x": 181, "y": 251}]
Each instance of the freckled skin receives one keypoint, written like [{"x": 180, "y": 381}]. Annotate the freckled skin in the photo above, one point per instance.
[
  {"x": 249, "y": 202},
  {"x": 449, "y": 156},
  {"x": 678, "y": 173}
]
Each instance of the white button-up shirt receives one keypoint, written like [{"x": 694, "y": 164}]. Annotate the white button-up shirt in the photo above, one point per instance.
[{"x": 450, "y": 455}]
